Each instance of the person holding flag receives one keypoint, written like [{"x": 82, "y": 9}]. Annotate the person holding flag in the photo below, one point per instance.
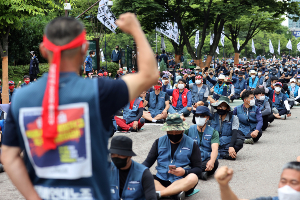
[{"x": 66, "y": 126}]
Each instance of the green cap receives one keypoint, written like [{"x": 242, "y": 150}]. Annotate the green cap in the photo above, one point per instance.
[
  {"x": 174, "y": 123},
  {"x": 221, "y": 100}
]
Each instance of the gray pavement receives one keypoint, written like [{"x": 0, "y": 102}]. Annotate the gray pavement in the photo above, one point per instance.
[{"x": 256, "y": 170}]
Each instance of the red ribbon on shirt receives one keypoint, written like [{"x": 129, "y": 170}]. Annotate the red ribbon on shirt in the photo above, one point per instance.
[{"x": 51, "y": 96}]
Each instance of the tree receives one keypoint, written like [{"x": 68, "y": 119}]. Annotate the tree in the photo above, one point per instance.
[{"x": 12, "y": 15}]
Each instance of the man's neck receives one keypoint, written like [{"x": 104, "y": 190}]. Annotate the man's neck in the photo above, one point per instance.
[
  {"x": 277, "y": 92},
  {"x": 201, "y": 128},
  {"x": 181, "y": 90},
  {"x": 223, "y": 117},
  {"x": 127, "y": 166},
  {"x": 246, "y": 105},
  {"x": 157, "y": 92}
]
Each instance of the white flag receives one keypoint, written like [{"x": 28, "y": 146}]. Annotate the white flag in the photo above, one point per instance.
[
  {"x": 289, "y": 45},
  {"x": 238, "y": 45},
  {"x": 222, "y": 37},
  {"x": 162, "y": 44},
  {"x": 271, "y": 47},
  {"x": 278, "y": 48},
  {"x": 211, "y": 39},
  {"x": 298, "y": 46},
  {"x": 197, "y": 39},
  {"x": 105, "y": 16},
  {"x": 217, "y": 50},
  {"x": 170, "y": 31},
  {"x": 253, "y": 47},
  {"x": 175, "y": 33}
]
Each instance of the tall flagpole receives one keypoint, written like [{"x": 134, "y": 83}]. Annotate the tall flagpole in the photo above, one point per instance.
[{"x": 156, "y": 40}]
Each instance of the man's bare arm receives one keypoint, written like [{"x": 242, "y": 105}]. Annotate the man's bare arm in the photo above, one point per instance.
[
  {"x": 16, "y": 170},
  {"x": 148, "y": 73}
]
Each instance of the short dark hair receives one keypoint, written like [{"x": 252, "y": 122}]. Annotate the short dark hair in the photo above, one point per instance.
[
  {"x": 259, "y": 91},
  {"x": 246, "y": 94},
  {"x": 91, "y": 52},
  {"x": 274, "y": 78},
  {"x": 182, "y": 80},
  {"x": 26, "y": 76},
  {"x": 163, "y": 51}
]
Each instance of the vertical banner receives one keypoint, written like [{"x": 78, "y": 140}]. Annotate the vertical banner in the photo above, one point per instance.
[
  {"x": 289, "y": 45},
  {"x": 271, "y": 47},
  {"x": 197, "y": 39},
  {"x": 222, "y": 37},
  {"x": 106, "y": 17},
  {"x": 253, "y": 47},
  {"x": 238, "y": 45},
  {"x": 278, "y": 47}
]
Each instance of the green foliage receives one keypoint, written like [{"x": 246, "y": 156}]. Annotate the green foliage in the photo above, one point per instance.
[
  {"x": 185, "y": 65},
  {"x": 162, "y": 66},
  {"x": 111, "y": 67}
]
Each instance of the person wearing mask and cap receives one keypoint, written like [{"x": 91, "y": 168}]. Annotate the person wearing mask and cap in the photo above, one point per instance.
[
  {"x": 210, "y": 73},
  {"x": 288, "y": 187},
  {"x": 116, "y": 55},
  {"x": 250, "y": 118},
  {"x": 220, "y": 88},
  {"x": 26, "y": 81},
  {"x": 178, "y": 160},
  {"x": 260, "y": 77},
  {"x": 197, "y": 70},
  {"x": 294, "y": 90},
  {"x": 11, "y": 87},
  {"x": 88, "y": 64},
  {"x": 270, "y": 90},
  {"x": 181, "y": 98},
  {"x": 165, "y": 79},
  {"x": 128, "y": 179},
  {"x": 158, "y": 103},
  {"x": 263, "y": 102},
  {"x": 252, "y": 81},
  {"x": 199, "y": 91},
  {"x": 239, "y": 86},
  {"x": 231, "y": 139},
  {"x": 72, "y": 116},
  {"x": 280, "y": 104},
  {"x": 230, "y": 87},
  {"x": 177, "y": 77},
  {"x": 207, "y": 139}
]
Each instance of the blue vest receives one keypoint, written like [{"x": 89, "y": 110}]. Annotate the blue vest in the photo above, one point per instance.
[
  {"x": 156, "y": 108},
  {"x": 251, "y": 84},
  {"x": 219, "y": 89},
  {"x": 261, "y": 80},
  {"x": 133, "y": 188},
  {"x": 181, "y": 157},
  {"x": 198, "y": 96},
  {"x": 261, "y": 107},
  {"x": 247, "y": 120},
  {"x": 239, "y": 86},
  {"x": 225, "y": 131},
  {"x": 130, "y": 114},
  {"x": 296, "y": 90},
  {"x": 278, "y": 104},
  {"x": 81, "y": 100},
  {"x": 205, "y": 144}
]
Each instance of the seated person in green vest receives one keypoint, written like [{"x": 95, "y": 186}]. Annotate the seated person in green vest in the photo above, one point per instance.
[
  {"x": 181, "y": 98},
  {"x": 253, "y": 80},
  {"x": 250, "y": 118},
  {"x": 199, "y": 91},
  {"x": 158, "y": 105},
  {"x": 280, "y": 105},
  {"x": 219, "y": 88},
  {"x": 128, "y": 179},
  {"x": 178, "y": 160},
  {"x": 231, "y": 139},
  {"x": 262, "y": 101},
  {"x": 288, "y": 187},
  {"x": 132, "y": 116},
  {"x": 207, "y": 139}
]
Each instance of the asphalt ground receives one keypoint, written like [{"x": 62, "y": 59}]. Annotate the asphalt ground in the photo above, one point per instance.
[{"x": 256, "y": 170}]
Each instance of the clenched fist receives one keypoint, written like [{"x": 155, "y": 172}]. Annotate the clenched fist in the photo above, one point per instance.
[
  {"x": 224, "y": 175},
  {"x": 128, "y": 23}
]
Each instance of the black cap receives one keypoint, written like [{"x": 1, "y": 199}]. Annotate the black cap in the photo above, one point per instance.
[
  {"x": 241, "y": 73},
  {"x": 121, "y": 145}
]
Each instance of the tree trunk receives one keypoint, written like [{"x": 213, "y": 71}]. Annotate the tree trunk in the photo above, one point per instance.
[
  {"x": 236, "y": 58},
  {"x": 199, "y": 63},
  {"x": 178, "y": 50},
  {"x": 208, "y": 61},
  {"x": 177, "y": 58},
  {"x": 5, "y": 97}
]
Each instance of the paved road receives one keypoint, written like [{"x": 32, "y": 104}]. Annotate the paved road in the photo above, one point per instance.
[{"x": 256, "y": 170}]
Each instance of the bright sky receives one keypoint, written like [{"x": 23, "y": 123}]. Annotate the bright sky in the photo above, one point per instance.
[{"x": 285, "y": 22}]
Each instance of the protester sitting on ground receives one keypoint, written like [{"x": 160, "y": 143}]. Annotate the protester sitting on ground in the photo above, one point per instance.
[
  {"x": 250, "y": 118},
  {"x": 231, "y": 139},
  {"x": 230, "y": 90},
  {"x": 280, "y": 105},
  {"x": 178, "y": 160},
  {"x": 219, "y": 88},
  {"x": 199, "y": 90},
  {"x": 270, "y": 90},
  {"x": 71, "y": 156},
  {"x": 295, "y": 90},
  {"x": 128, "y": 179},
  {"x": 181, "y": 98},
  {"x": 253, "y": 80},
  {"x": 210, "y": 73},
  {"x": 263, "y": 103},
  {"x": 290, "y": 96},
  {"x": 165, "y": 78},
  {"x": 288, "y": 187},
  {"x": 158, "y": 103},
  {"x": 207, "y": 138},
  {"x": 26, "y": 81},
  {"x": 239, "y": 86},
  {"x": 132, "y": 116}
]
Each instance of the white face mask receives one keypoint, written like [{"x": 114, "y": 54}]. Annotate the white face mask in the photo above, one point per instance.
[
  {"x": 180, "y": 86},
  {"x": 252, "y": 76},
  {"x": 252, "y": 102},
  {"x": 293, "y": 84},
  {"x": 288, "y": 193},
  {"x": 200, "y": 121},
  {"x": 262, "y": 98},
  {"x": 259, "y": 73},
  {"x": 198, "y": 82},
  {"x": 277, "y": 89},
  {"x": 266, "y": 73}
]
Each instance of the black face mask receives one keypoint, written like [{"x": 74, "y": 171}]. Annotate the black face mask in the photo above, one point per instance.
[
  {"x": 220, "y": 82},
  {"x": 240, "y": 78},
  {"x": 237, "y": 72},
  {"x": 285, "y": 70},
  {"x": 227, "y": 83},
  {"x": 175, "y": 138},
  {"x": 221, "y": 111},
  {"x": 117, "y": 48},
  {"x": 119, "y": 162},
  {"x": 210, "y": 73}
]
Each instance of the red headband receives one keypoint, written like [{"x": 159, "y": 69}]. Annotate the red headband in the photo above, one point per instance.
[
  {"x": 51, "y": 96},
  {"x": 198, "y": 77}
]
